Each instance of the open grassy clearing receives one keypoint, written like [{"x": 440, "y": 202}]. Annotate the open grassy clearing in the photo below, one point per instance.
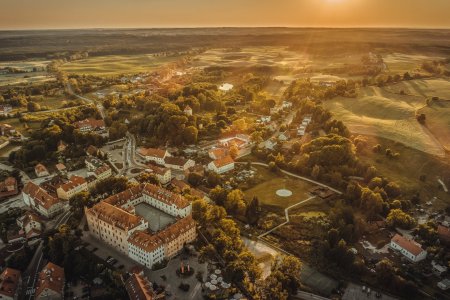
[
  {"x": 407, "y": 169},
  {"x": 117, "y": 64},
  {"x": 438, "y": 121},
  {"x": 24, "y": 78},
  {"x": 265, "y": 191},
  {"x": 426, "y": 88},
  {"x": 378, "y": 112},
  {"x": 401, "y": 62}
]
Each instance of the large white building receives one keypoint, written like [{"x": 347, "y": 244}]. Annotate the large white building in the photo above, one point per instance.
[
  {"x": 115, "y": 222},
  {"x": 408, "y": 248},
  {"x": 221, "y": 165}
]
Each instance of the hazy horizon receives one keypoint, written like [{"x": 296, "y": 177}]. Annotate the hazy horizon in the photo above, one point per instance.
[{"x": 157, "y": 14}]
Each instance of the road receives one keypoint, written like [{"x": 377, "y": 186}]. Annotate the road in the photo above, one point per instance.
[
  {"x": 36, "y": 264},
  {"x": 99, "y": 106}
]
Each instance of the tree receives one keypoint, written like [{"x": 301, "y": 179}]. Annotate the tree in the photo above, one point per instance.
[
  {"x": 190, "y": 135},
  {"x": 235, "y": 203},
  {"x": 315, "y": 173},
  {"x": 393, "y": 189},
  {"x": 218, "y": 195},
  {"x": 253, "y": 211},
  {"x": 33, "y": 106},
  {"x": 285, "y": 271},
  {"x": 194, "y": 179},
  {"x": 398, "y": 218}
]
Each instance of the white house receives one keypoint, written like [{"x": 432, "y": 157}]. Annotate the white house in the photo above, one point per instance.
[
  {"x": 408, "y": 248},
  {"x": 41, "y": 170},
  {"x": 41, "y": 201},
  {"x": 284, "y": 136},
  {"x": 152, "y": 154},
  {"x": 222, "y": 165},
  {"x": 188, "y": 110},
  {"x": 266, "y": 119},
  {"x": 286, "y": 104},
  {"x": 301, "y": 130},
  {"x": 270, "y": 143},
  {"x": 164, "y": 175}
]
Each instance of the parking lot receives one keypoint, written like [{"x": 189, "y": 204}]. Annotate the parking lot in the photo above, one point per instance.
[{"x": 356, "y": 292}]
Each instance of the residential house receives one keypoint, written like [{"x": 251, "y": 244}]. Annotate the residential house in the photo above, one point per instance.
[
  {"x": 31, "y": 224},
  {"x": 73, "y": 186},
  {"x": 286, "y": 104},
  {"x": 7, "y": 130},
  {"x": 443, "y": 234},
  {"x": 41, "y": 170},
  {"x": 444, "y": 284},
  {"x": 178, "y": 163},
  {"x": 239, "y": 140},
  {"x": 8, "y": 187},
  {"x": 265, "y": 119},
  {"x": 438, "y": 269},
  {"x": 5, "y": 109},
  {"x": 90, "y": 125},
  {"x": 139, "y": 288},
  {"x": 41, "y": 200},
  {"x": 103, "y": 172},
  {"x": 152, "y": 154},
  {"x": 270, "y": 144},
  {"x": 283, "y": 136},
  {"x": 10, "y": 284},
  {"x": 62, "y": 170},
  {"x": 164, "y": 175},
  {"x": 188, "y": 110},
  {"x": 221, "y": 165},
  {"x": 408, "y": 248},
  {"x": 61, "y": 146},
  {"x": 50, "y": 283},
  {"x": 216, "y": 153}
]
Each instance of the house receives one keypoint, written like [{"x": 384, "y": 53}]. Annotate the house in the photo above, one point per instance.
[
  {"x": 270, "y": 143},
  {"x": 50, "y": 283},
  {"x": 41, "y": 200},
  {"x": 93, "y": 151},
  {"x": 188, "y": 110},
  {"x": 216, "y": 153},
  {"x": 437, "y": 269},
  {"x": 221, "y": 165},
  {"x": 301, "y": 130},
  {"x": 61, "y": 168},
  {"x": 198, "y": 169},
  {"x": 93, "y": 163},
  {"x": 152, "y": 154},
  {"x": 7, "y": 130},
  {"x": 283, "y": 136},
  {"x": 162, "y": 174},
  {"x": 75, "y": 185},
  {"x": 103, "y": 172},
  {"x": 322, "y": 192},
  {"x": 90, "y": 125},
  {"x": 444, "y": 284},
  {"x": 286, "y": 104},
  {"x": 240, "y": 141},
  {"x": 5, "y": 109},
  {"x": 409, "y": 248},
  {"x": 41, "y": 170},
  {"x": 265, "y": 119},
  {"x": 443, "y": 234},
  {"x": 8, "y": 187},
  {"x": 31, "y": 224},
  {"x": 10, "y": 284},
  {"x": 178, "y": 163},
  {"x": 275, "y": 110},
  {"x": 139, "y": 288},
  {"x": 61, "y": 146}
]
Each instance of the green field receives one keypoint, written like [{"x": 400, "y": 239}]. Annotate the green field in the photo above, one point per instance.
[
  {"x": 384, "y": 113},
  {"x": 265, "y": 191},
  {"x": 438, "y": 121},
  {"x": 117, "y": 64}
]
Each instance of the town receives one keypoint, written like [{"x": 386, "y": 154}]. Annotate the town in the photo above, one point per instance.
[{"x": 193, "y": 180}]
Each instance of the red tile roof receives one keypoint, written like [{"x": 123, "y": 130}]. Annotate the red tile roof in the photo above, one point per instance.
[
  {"x": 221, "y": 162},
  {"x": 92, "y": 123},
  {"x": 40, "y": 195},
  {"x": 145, "y": 241},
  {"x": 115, "y": 215},
  {"x": 139, "y": 288},
  {"x": 50, "y": 278},
  {"x": 9, "y": 282},
  {"x": 443, "y": 233},
  {"x": 152, "y": 152},
  {"x": 409, "y": 245},
  {"x": 73, "y": 182}
]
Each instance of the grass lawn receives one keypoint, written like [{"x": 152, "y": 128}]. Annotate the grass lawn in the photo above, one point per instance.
[
  {"x": 265, "y": 191},
  {"x": 379, "y": 112},
  {"x": 438, "y": 121},
  {"x": 110, "y": 65}
]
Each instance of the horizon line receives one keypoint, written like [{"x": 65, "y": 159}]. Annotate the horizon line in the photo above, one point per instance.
[{"x": 226, "y": 27}]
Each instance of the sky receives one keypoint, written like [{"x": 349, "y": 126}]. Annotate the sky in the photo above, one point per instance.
[{"x": 49, "y": 14}]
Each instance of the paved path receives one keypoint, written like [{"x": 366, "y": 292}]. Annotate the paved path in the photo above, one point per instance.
[
  {"x": 295, "y": 176},
  {"x": 286, "y": 213}
]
